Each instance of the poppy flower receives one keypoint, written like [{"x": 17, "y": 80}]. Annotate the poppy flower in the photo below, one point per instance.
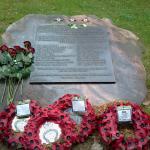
[
  {"x": 6, "y": 118},
  {"x": 31, "y": 134},
  {"x": 141, "y": 125},
  {"x": 88, "y": 118}
]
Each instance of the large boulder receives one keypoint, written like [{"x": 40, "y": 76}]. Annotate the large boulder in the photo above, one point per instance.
[{"x": 126, "y": 58}]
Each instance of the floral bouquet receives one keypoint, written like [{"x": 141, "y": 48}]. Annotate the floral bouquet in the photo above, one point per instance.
[{"x": 15, "y": 65}]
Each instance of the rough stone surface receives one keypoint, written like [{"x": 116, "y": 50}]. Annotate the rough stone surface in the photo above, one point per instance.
[{"x": 126, "y": 57}]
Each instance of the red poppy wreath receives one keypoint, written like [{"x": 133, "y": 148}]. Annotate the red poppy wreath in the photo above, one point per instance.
[
  {"x": 10, "y": 133},
  {"x": 108, "y": 128},
  {"x": 87, "y": 123},
  {"x": 49, "y": 129}
]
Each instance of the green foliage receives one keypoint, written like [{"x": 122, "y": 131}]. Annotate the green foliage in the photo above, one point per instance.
[
  {"x": 17, "y": 67},
  {"x": 5, "y": 58}
]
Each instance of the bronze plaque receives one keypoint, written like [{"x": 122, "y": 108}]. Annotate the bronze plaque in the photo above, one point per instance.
[{"x": 65, "y": 55}]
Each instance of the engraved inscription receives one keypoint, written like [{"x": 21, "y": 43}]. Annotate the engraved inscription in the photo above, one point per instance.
[{"x": 69, "y": 55}]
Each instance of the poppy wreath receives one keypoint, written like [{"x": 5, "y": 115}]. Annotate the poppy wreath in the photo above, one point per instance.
[
  {"x": 68, "y": 135},
  {"x": 7, "y": 135},
  {"x": 88, "y": 123},
  {"x": 108, "y": 128}
]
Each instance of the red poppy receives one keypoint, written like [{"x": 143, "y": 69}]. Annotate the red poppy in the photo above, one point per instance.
[
  {"x": 108, "y": 128},
  {"x": 88, "y": 123},
  {"x": 31, "y": 136},
  {"x": 6, "y": 118}
]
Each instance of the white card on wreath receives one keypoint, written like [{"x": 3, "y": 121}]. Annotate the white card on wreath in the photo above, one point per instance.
[
  {"x": 23, "y": 110},
  {"x": 49, "y": 132},
  {"x": 18, "y": 124},
  {"x": 78, "y": 105},
  {"x": 124, "y": 113}
]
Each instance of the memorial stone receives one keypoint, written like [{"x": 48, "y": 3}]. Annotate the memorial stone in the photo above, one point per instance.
[{"x": 125, "y": 51}]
